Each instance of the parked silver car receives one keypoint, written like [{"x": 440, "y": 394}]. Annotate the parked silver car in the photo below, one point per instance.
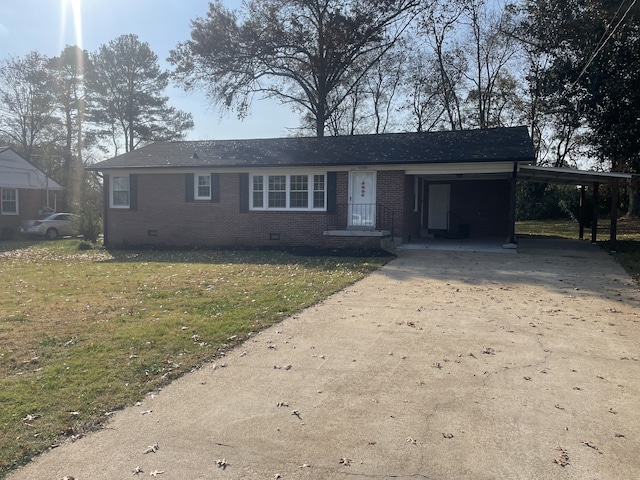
[{"x": 51, "y": 225}]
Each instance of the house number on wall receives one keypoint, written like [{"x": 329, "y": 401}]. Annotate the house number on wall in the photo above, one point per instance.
[{"x": 362, "y": 189}]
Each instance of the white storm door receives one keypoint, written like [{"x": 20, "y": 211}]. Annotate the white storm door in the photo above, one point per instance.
[
  {"x": 439, "y": 204},
  {"x": 362, "y": 199}
]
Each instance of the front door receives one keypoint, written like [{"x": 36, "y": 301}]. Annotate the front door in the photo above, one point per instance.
[
  {"x": 362, "y": 199},
  {"x": 438, "y": 208}
]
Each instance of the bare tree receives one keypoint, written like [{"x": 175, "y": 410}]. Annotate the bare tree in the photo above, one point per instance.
[
  {"x": 27, "y": 102},
  {"x": 494, "y": 48},
  {"x": 307, "y": 53},
  {"x": 439, "y": 27}
]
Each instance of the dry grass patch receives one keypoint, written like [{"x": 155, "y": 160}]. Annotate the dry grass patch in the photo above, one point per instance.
[{"x": 85, "y": 332}]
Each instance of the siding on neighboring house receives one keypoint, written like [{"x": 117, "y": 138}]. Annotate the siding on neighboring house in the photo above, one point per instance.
[{"x": 31, "y": 185}]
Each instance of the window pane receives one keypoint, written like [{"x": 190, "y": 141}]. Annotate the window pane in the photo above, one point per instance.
[
  {"x": 9, "y": 200},
  {"x": 277, "y": 183},
  {"x": 120, "y": 183},
  {"x": 277, "y": 191},
  {"x": 318, "y": 191},
  {"x": 121, "y": 198},
  {"x": 299, "y": 183},
  {"x": 258, "y": 192},
  {"x": 277, "y": 199},
  {"x": 204, "y": 186},
  {"x": 299, "y": 191},
  {"x": 299, "y": 200},
  {"x": 121, "y": 191},
  {"x": 318, "y": 183}
]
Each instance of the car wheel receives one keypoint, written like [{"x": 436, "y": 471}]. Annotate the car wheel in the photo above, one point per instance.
[{"x": 52, "y": 234}]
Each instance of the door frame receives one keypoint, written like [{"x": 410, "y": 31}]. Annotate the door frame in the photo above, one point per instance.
[
  {"x": 364, "y": 217},
  {"x": 438, "y": 207}
]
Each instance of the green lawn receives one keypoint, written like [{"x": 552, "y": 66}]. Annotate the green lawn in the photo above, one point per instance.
[
  {"x": 628, "y": 235},
  {"x": 86, "y": 332}
]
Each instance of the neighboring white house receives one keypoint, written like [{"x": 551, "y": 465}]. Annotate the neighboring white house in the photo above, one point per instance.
[{"x": 25, "y": 192}]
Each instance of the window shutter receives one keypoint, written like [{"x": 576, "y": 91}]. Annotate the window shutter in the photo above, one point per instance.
[
  {"x": 106, "y": 195},
  {"x": 244, "y": 192},
  {"x": 133, "y": 192},
  {"x": 188, "y": 187},
  {"x": 332, "y": 192},
  {"x": 215, "y": 187}
]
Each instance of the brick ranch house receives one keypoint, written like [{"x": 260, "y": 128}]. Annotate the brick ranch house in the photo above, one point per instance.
[
  {"x": 25, "y": 192},
  {"x": 356, "y": 191}
]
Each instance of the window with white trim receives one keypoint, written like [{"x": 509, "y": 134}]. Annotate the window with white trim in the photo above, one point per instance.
[
  {"x": 288, "y": 192},
  {"x": 9, "y": 201},
  {"x": 120, "y": 192},
  {"x": 202, "y": 187}
]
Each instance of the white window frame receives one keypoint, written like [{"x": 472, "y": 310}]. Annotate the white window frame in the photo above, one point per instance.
[
  {"x": 288, "y": 174},
  {"x": 2, "y": 201},
  {"x": 112, "y": 185},
  {"x": 196, "y": 185}
]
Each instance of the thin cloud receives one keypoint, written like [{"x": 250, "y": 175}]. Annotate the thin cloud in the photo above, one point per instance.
[{"x": 4, "y": 31}]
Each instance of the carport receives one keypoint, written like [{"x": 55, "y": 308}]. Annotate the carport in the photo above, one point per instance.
[{"x": 583, "y": 179}]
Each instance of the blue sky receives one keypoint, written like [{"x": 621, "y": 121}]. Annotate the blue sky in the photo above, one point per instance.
[{"x": 48, "y": 25}]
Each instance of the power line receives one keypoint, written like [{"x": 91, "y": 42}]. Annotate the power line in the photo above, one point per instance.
[{"x": 603, "y": 41}]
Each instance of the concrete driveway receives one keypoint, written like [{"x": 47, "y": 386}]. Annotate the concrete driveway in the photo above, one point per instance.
[{"x": 441, "y": 365}]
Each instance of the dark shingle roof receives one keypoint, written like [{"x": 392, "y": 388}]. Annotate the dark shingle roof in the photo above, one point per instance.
[{"x": 490, "y": 145}]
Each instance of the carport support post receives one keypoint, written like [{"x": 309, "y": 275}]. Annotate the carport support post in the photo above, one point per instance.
[
  {"x": 613, "y": 230},
  {"x": 512, "y": 207},
  {"x": 594, "y": 218},
  {"x": 581, "y": 213}
]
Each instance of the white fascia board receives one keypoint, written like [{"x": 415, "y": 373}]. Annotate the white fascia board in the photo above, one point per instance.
[{"x": 460, "y": 168}]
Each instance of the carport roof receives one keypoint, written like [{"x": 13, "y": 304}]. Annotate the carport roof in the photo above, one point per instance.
[{"x": 567, "y": 176}]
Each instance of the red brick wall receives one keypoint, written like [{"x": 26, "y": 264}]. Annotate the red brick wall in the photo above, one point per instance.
[
  {"x": 391, "y": 187},
  {"x": 161, "y": 207},
  {"x": 411, "y": 217},
  {"x": 483, "y": 205}
]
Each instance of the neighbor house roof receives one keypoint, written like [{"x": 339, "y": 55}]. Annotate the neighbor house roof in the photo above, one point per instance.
[
  {"x": 16, "y": 172},
  {"x": 488, "y": 145}
]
